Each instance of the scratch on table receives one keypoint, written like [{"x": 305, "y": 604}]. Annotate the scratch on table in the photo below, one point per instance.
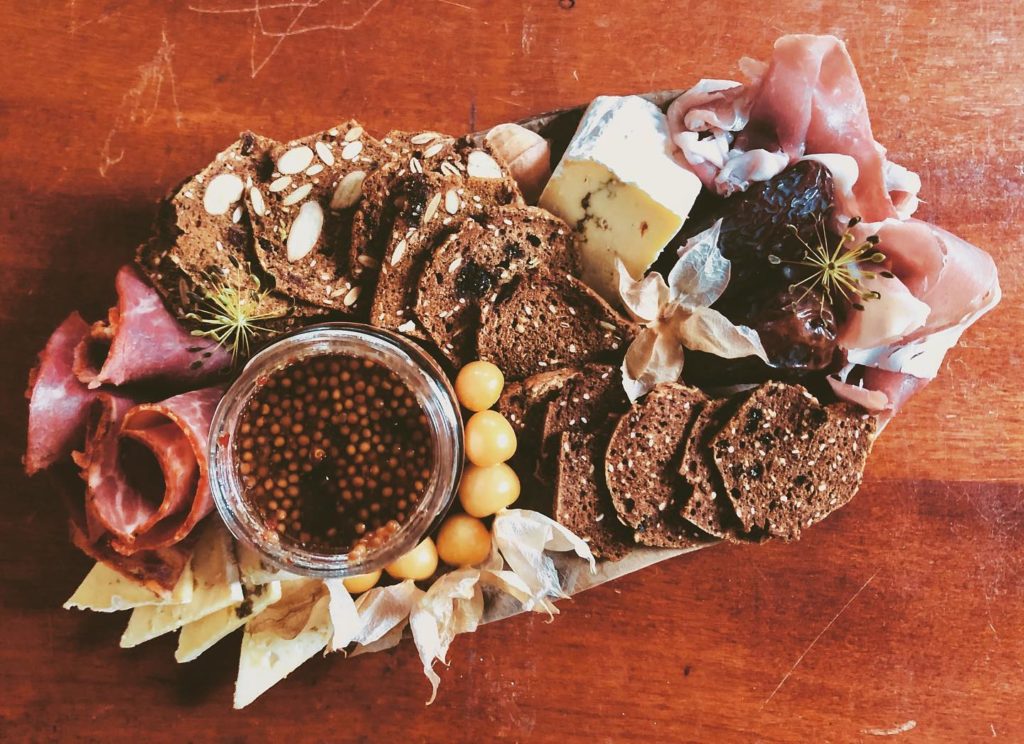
[
  {"x": 457, "y": 5},
  {"x": 901, "y": 728},
  {"x": 818, "y": 638},
  {"x": 75, "y": 25},
  {"x": 526, "y": 39},
  {"x": 139, "y": 105},
  {"x": 292, "y": 29},
  {"x": 509, "y": 102}
]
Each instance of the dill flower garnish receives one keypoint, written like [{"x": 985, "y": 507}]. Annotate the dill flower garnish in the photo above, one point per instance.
[
  {"x": 839, "y": 269},
  {"x": 231, "y": 316}
]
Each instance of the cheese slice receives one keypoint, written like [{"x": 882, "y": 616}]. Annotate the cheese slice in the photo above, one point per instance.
[
  {"x": 254, "y": 569},
  {"x": 620, "y": 188},
  {"x": 215, "y": 586},
  {"x": 200, "y": 635},
  {"x": 106, "y": 590},
  {"x": 283, "y": 637}
]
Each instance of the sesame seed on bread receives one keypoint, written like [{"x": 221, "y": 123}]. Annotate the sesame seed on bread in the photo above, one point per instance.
[
  {"x": 708, "y": 508},
  {"x": 586, "y": 403},
  {"x": 642, "y": 466},
  {"x": 787, "y": 461}
]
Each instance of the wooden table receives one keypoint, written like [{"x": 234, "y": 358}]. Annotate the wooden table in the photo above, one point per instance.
[{"x": 901, "y": 615}]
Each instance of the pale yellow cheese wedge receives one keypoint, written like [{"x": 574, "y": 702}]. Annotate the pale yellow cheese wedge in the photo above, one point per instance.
[
  {"x": 106, "y": 590},
  {"x": 199, "y": 636},
  {"x": 215, "y": 586},
  {"x": 282, "y": 637}
]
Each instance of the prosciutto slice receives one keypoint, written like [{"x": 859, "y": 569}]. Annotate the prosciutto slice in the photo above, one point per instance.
[
  {"x": 141, "y": 341},
  {"x": 145, "y": 469},
  {"x": 955, "y": 280},
  {"x": 58, "y": 401},
  {"x": 808, "y": 100}
]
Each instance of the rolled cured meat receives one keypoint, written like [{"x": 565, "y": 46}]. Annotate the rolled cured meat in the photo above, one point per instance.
[
  {"x": 145, "y": 469},
  {"x": 58, "y": 401},
  {"x": 141, "y": 341}
]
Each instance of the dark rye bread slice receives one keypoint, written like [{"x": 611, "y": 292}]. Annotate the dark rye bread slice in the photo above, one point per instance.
[
  {"x": 708, "y": 508},
  {"x": 642, "y": 466},
  {"x": 524, "y": 402},
  {"x": 203, "y": 229},
  {"x": 484, "y": 254},
  {"x": 427, "y": 208},
  {"x": 195, "y": 252},
  {"x": 413, "y": 153},
  {"x": 544, "y": 321},
  {"x": 301, "y": 204},
  {"x": 582, "y": 502},
  {"x": 787, "y": 462},
  {"x": 586, "y": 403},
  {"x": 185, "y": 298}
]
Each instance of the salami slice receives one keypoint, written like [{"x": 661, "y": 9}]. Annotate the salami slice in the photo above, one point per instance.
[
  {"x": 58, "y": 401},
  {"x": 141, "y": 341}
]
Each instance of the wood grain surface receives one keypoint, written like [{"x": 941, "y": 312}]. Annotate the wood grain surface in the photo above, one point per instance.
[{"x": 899, "y": 616}]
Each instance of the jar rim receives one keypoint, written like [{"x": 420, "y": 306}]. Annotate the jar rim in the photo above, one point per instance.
[{"x": 422, "y": 375}]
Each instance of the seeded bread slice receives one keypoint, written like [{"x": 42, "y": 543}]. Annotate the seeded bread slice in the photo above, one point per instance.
[
  {"x": 484, "y": 254},
  {"x": 642, "y": 466},
  {"x": 203, "y": 231},
  {"x": 524, "y": 402},
  {"x": 413, "y": 153},
  {"x": 708, "y": 508},
  {"x": 202, "y": 242},
  {"x": 582, "y": 502},
  {"x": 544, "y": 321},
  {"x": 585, "y": 403},
  {"x": 301, "y": 206},
  {"x": 427, "y": 208},
  {"x": 787, "y": 461}
]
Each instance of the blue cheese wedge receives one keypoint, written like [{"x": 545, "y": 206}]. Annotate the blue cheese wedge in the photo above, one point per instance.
[
  {"x": 105, "y": 590},
  {"x": 282, "y": 637},
  {"x": 216, "y": 586},
  {"x": 620, "y": 188}
]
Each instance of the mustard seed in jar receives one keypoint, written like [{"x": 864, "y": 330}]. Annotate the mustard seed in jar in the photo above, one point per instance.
[{"x": 337, "y": 452}]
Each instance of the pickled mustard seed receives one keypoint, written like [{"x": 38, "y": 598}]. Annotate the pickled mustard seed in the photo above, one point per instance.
[{"x": 333, "y": 452}]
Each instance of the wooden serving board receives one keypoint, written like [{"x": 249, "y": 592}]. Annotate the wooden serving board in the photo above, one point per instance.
[{"x": 898, "y": 616}]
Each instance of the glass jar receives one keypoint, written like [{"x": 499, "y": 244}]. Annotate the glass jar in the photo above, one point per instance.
[{"x": 418, "y": 371}]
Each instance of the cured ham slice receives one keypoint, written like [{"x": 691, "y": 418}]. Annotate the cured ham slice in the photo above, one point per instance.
[
  {"x": 145, "y": 469},
  {"x": 957, "y": 281},
  {"x": 58, "y": 402},
  {"x": 141, "y": 341},
  {"x": 808, "y": 100}
]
